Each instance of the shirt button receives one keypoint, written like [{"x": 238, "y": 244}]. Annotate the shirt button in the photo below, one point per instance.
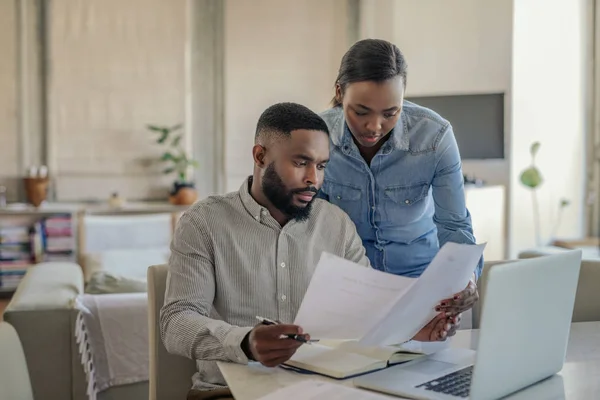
[
  {"x": 282, "y": 265},
  {"x": 283, "y": 297},
  {"x": 338, "y": 197},
  {"x": 407, "y": 201},
  {"x": 257, "y": 217},
  {"x": 264, "y": 212},
  {"x": 373, "y": 208}
]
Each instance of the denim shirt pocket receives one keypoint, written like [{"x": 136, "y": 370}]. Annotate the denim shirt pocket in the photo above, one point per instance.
[
  {"x": 347, "y": 197},
  {"x": 404, "y": 204}
]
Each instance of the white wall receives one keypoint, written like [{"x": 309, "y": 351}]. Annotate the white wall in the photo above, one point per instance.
[
  {"x": 276, "y": 50},
  {"x": 8, "y": 98},
  {"x": 549, "y": 72}
]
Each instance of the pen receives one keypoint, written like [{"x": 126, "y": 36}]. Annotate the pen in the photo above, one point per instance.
[{"x": 300, "y": 338}]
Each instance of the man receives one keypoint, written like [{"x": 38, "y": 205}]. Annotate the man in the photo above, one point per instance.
[{"x": 253, "y": 252}]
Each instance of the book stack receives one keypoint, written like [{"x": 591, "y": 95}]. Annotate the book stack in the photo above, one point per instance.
[
  {"x": 58, "y": 240},
  {"x": 16, "y": 255}
]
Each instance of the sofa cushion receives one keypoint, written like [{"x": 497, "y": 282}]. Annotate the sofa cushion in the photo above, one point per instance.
[{"x": 121, "y": 270}]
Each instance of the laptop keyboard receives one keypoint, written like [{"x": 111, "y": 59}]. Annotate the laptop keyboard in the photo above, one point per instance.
[{"x": 457, "y": 383}]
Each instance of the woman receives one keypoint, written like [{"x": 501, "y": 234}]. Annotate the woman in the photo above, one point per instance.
[{"x": 395, "y": 167}]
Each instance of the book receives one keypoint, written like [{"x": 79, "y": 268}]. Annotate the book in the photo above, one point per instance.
[{"x": 343, "y": 359}]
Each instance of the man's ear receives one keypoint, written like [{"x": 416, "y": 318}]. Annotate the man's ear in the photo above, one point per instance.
[{"x": 258, "y": 154}]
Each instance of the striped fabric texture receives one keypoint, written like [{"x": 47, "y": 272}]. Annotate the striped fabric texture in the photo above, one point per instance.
[{"x": 230, "y": 262}]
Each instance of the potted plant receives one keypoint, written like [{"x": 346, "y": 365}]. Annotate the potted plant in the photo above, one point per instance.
[
  {"x": 532, "y": 178},
  {"x": 178, "y": 162}
]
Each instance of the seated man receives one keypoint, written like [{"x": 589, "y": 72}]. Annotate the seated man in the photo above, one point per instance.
[{"x": 253, "y": 252}]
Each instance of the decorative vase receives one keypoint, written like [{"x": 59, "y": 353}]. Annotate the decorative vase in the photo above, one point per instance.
[
  {"x": 36, "y": 190},
  {"x": 183, "y": 194}
]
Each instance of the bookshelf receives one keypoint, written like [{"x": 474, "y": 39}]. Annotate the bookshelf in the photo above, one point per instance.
[{"x": 31, "y": 236}]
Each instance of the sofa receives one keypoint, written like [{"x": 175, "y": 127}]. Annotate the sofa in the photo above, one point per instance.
[{"x": 43, "y": 314}]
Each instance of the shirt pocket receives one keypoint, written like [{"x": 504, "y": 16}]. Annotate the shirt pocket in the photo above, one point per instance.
[
  {"x": 347, "y": 197},
  {"x": 404, "y": 204}
]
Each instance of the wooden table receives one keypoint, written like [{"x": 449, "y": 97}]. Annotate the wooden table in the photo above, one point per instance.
[{"x": 579, "y": 378}]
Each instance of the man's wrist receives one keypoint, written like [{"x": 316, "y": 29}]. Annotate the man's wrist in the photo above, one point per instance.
[{"x": 245, "y": 345}]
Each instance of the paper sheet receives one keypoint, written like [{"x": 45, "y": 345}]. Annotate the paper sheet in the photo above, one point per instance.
[
  {"x": 344, "y": 300},
  {"x": 448, "y": 273},
  {"x": 317, "y": 390}
]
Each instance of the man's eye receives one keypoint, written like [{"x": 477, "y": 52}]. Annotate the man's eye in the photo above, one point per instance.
[
  {"x": 322, "y": 166},
  {"x": 300, "y": 163}
]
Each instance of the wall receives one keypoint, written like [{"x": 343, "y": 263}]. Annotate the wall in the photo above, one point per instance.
[
  {"x": 9, "y": 145},
  {"x": 115, "y": 66},
  {"x": 276, "y": 50},
  {"x": 452, "y": 47},
  {"x": 549, "y": 92}
]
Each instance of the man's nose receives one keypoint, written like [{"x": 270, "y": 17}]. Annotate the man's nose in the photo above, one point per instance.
[{"x": 311, "y": 176}]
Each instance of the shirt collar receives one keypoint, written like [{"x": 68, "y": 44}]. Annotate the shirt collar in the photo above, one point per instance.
[{"x": 256, "y": 210}]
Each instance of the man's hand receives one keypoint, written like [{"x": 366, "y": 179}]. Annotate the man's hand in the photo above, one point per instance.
[
  {"x": 439, "y": 328},
  {"x": 267, "y": 346},
  {"x": 461, "y": 301}
]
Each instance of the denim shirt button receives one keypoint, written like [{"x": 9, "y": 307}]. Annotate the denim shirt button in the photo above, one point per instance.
[
  {"x": 338, "y": 197},
  {"x": 407, "y": 201}
]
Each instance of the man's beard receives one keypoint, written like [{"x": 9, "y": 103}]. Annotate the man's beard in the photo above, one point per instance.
[{"x": 282, "y": 198}]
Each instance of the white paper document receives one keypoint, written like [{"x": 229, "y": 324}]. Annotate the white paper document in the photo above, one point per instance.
[
  {"x": 317, "y": 390},
  {"x": 347, "y": 301},
  {"x": 344, "y": 299}
]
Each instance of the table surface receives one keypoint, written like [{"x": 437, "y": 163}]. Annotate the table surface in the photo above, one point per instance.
[{"x": 579, "y": 378}]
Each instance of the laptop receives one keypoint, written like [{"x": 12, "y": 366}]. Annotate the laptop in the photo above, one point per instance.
[{"x": 526, "y": 314}]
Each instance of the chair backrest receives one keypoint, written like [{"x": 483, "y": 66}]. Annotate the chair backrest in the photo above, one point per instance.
[
  {"x": 14, "y": 375},
  {"x": 587, "y": 299},
  {"x": 170, "y": 374}
]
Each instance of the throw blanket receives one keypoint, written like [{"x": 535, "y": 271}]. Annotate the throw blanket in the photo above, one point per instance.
[{"x": 112, "y": 334}]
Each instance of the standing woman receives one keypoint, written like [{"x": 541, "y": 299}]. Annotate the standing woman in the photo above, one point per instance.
[{"x": 395, "y": 167}]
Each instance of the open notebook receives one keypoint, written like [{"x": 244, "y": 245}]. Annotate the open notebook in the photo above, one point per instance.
[{"x": 346, "y": 358}]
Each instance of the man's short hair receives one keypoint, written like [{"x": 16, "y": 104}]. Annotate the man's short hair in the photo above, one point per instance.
[{"x": 281, "y": 119}]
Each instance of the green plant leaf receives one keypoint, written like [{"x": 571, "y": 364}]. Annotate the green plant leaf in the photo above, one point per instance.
[
  {"x": 166, "y": 156},
  {"x": 535, "y": 147},
  {"x": 155, "y": 128},
  {"x": 531, "y": 177},
  {"x": 194, "y": 163},
  {"x": 176, "y": 141},
  {"x": 564, "y": 203},
  {"x": 169, "y": 170}
]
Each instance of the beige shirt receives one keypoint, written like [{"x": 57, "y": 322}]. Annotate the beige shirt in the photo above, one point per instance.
[{"x": 230, "y": 256}]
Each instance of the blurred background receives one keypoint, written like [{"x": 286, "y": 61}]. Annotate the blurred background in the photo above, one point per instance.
[{"x": 88, "y": 88}]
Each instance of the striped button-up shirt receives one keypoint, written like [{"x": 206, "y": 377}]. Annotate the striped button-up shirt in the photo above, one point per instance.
[{"x": 230, "y": 262}]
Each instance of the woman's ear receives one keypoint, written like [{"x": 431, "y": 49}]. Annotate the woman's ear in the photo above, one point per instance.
[
  {"x": 338, "y": 93},
  {"x": 258, "y": 154}
]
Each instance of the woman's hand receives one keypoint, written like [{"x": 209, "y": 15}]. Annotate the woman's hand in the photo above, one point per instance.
[
  {"x": 461, "y": 301},
  {"x": 439, "y": 328}
]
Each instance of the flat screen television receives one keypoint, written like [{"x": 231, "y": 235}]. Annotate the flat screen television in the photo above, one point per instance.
[{"x": 477, "y": 121}]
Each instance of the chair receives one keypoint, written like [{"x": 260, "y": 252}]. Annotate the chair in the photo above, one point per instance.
[
  {"x": 587, "y": 299},
  {"x": 14, "y": 375},
  {"x": 170, "y": 375}
]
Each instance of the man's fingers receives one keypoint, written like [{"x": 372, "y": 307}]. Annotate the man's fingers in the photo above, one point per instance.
[
  {"x": 264, "y": 346},
  {"x": 284, "y": 329}
]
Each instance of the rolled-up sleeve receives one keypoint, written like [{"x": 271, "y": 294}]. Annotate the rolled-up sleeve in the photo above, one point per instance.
[
  {"x": 451, "y": 217},
  {"x": 185, "y": 325}
]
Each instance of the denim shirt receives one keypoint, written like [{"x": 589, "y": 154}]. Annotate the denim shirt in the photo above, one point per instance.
[{"x": 410, "y": 200}]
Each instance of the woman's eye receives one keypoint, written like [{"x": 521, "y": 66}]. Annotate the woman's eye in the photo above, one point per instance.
[{"x": 360, "y": 114}]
